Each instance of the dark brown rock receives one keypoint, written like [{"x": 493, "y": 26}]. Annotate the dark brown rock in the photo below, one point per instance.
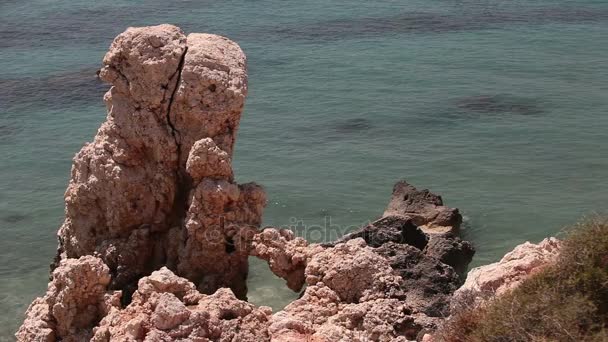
[
  {"x": 450, "y": 250},
  {"x": 425, "y": 208}
]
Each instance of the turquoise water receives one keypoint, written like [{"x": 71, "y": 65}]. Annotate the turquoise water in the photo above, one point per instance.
[{"x": 500, "y": 106}]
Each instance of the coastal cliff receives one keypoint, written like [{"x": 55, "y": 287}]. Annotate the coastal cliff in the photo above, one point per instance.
[{"x": 157, "y": 233}]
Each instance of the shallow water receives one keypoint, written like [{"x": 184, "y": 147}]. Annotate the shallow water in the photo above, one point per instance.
[{"x": 498, "y": 106}]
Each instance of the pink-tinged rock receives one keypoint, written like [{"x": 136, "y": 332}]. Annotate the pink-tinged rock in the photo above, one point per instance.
[
  {"x": 211, "y": 93},
  {"x": 427, "y": 338},
  {"x": 156, "y": 186},
  {"x": 206, "y": 159},
  {"x": 351, "y": 295},
  {"x": 75, "y": 300},
  {"x": 166, "y": 307},
  {"x": 517, "y": 265},
  {"x": 286, "y": 254},
  {"x": 169, "y": 312}
]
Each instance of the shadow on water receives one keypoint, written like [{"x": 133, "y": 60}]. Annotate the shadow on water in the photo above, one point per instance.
[
  {"x": 337, "y": 130},
  {"x": 356, "y": 125},
  {"x": 498, "y": 104},
  {"x": 14, "y": 218},
  {"x": 99, "y": 25}
]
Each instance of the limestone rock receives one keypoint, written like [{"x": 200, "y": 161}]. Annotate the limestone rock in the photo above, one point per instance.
[
  {"x": 156, "y": 186},
  {"x": 389, "y": 266},
  {"x": 166, "y": 307},
  {"x": 352, "y": 294},
  {"x": 211, "y": 93},
  {"x": 72, "y": 305},
  {"x": 497, "y": 278},
  {"x": 286, "y": 254},
  {"x": 207, "y": 160},
  {"x": 152, "y": 209},
  {"x": 220, "y": 218},
  {"x": 425, "y": 208}
]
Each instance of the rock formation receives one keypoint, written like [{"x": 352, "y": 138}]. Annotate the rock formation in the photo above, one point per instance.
[
  {"x": 169, "y": 308},
  {"x": 156, "y": 187},
  {"x": 383, "y": 282},
  {"x": 424, "y": 208},
  {"x": 495, "y": 279},
  {"x": 157, "y": 234},
  {"x": 75, "y": 298}
]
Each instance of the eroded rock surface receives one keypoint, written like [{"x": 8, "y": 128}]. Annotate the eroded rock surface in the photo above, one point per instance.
[
  {"x": 169, "y": 308},
  {"x": 286, "y": 254},
  {"x": 157, "y": 233},
  {"x": 156, "y": 187},
  {"x": 387, "y": 281},
  {"x": 497, "y": 278},
  {"x": 75, "y": 299},
  {"x": 425, "y": 208}
]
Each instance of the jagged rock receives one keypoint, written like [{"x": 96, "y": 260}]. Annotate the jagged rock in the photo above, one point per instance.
[
  {"x": 206, "y": 159},
  {"x": 396, "y": 229},
  {"x": 156, "y": 187},
  {"x": 286, "y": 254},
  {"x": 451, "y": 250},
  {"x": 352, "y": 294},
  {"x": 154, "y": 198},
  {"x": 73, "y": 303},
  {"x": 211, "y": 93},
  {"x": 424, "y": 207},
  {"x": 123, "y": 186},
  {"x": 166, "y": 307},
  {"x": 495, "y": 279},
  {"x": 427, "y": 282},
  {"x": 354, "y": 272},
  {"x": 390, "y": 265}
]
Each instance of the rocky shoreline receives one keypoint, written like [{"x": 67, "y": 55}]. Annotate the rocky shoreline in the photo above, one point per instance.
[{"x": 157, "y": 234}]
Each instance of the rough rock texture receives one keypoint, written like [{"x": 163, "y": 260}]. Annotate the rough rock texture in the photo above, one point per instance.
[
  {"x": 73, "y": 303},
  {"x": 352, "y": 294},
  {"x": 424, "y": 208},
  {"x": 156, "y": 187},
  {"x": 497, "y": 278},
  {"x": 152, "y": 210},
  {"x": 286, "y": 254},
  {"x": 396, "y": 229},
  {"x": 451, "y": 250},
  {"x": 169, "y": 308}
]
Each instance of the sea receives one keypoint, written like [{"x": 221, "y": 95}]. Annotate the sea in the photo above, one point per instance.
[{"x": 499, "y": 106}]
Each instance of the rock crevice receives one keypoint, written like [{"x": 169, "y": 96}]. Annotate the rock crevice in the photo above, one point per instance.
[
  {"x": 132, "y": 199},
  {"x": 157, "y": 233}
]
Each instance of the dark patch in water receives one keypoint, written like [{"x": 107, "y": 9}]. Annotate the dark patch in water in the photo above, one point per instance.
[
  {"x": 77, "y": 88},
  {"x": 498, "y": 104},
  {"x": 84, "y": 27},
  {"x": 413, "y": 22},
  {"x": 8, "y": 129},
  {"x": 352, "y": 126},
  {"x": 13, "y": 218}
]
